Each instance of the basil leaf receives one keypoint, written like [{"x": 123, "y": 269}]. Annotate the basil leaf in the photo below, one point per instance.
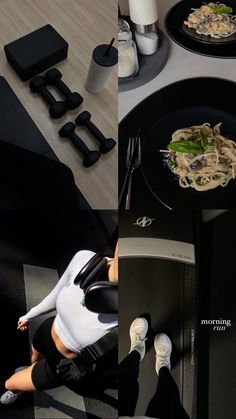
[
  {"x": 186, "y": 146},
  {"x": 221, "y": 9},
  {"x": 204, "y": 140}
]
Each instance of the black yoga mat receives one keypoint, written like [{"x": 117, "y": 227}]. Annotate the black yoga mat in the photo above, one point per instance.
[{"x": 32, "y": 164}]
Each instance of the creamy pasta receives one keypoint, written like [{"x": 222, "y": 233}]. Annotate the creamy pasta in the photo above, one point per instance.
[
  {"x": 212, "y": 19},
  {"x": 201, "y": 157}
]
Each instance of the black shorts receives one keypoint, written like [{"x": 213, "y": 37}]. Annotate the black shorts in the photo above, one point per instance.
[{"x": 44, "y": 374}]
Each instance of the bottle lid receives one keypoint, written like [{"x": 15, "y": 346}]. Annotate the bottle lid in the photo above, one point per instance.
[
  {"x": 105, "y": 55},
  {"x": 143, "y": 12}
]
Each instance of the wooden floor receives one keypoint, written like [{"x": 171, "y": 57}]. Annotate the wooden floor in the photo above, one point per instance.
[{"x": 84, "y": 24}]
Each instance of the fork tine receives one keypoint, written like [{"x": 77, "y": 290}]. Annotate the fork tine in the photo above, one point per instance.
[
  {"x": 139, "y": 151},
  {"x": 132, "y": 148},
  {"x": 128, "y": 153},
  {"x": 137, "y": 160}
]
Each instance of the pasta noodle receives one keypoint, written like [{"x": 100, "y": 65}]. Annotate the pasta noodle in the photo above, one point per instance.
[
  {"x": 206, "y": 21},
  {"x": 208, "y": 165}
]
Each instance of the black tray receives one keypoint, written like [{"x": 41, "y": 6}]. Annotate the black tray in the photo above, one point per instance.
[
  {"x": 200, "y": 44},
  {"x": 149, "y": 67},
  {"x": 184, "y": 103}
]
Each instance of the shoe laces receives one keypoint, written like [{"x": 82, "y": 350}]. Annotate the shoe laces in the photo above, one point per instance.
[
  {"x": 138, "y": 337},
  {"x": 161, "y": 357}
]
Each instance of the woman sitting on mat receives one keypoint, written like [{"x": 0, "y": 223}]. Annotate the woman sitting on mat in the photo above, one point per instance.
[{"x": 63, "y": 336}]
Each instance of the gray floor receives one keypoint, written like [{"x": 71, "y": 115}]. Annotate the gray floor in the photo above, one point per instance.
[{"x": 60, "y": 402}]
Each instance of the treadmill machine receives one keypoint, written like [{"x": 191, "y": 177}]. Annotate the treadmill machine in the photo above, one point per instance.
[
  {"x": 158, "y": 279},
  {"x": 217, "y": 316}
]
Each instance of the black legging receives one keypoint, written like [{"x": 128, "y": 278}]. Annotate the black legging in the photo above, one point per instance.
[{"x": 165, "y": 403}]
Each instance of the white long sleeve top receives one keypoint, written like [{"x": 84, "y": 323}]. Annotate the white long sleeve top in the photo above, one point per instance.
[{"x": 76, "y": 326}]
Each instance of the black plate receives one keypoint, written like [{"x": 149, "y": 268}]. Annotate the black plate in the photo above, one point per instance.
[
  {"x": 184, "y": 103},
  {"x": 207, "y": 39},
  {"x": 190, "y": 40}
]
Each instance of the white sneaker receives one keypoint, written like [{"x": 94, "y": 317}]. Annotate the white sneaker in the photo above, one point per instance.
[
  {"x": 137, "y": 332},
  {"x": 9, "y": 397},
  {"x": 163, "y": 348}
]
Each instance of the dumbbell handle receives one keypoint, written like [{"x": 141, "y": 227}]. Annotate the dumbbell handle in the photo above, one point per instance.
[
  {"x": 48, "y": 97},
  {"x": 76, "y": 140},
  {"x": 64, "y": 89},
  {"x": 95, "y": 131}
]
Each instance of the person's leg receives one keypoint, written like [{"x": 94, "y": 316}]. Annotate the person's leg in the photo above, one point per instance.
[
  {"x": 18, "y": 383},
  {"x": 40, "y": 372},
  {"x": 35, "y": 355},
  {"x": 165, "y": 404},
  {"x": 129, "y": 368},
  {"x": 128, "y": 384},
  {"x": 21, "y": 381}
]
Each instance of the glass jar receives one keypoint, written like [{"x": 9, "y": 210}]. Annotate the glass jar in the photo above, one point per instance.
[{"x": 128, "y": 59}]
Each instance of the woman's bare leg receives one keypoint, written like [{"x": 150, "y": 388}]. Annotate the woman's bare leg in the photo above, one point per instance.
[
  {"x": 35, "y": 355},
  {"x": 21, "y": 381}
]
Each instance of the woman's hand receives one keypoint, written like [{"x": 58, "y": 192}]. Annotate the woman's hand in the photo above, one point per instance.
[{"x": 22, "y": 325}]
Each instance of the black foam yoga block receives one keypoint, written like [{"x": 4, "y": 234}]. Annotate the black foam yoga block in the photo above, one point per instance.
[{"x": 36, "y": 52}]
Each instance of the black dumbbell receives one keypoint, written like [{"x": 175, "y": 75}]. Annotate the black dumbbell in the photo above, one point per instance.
[
  {"x": 73, "y": 99},
  {"x": 90, "y": 156},
  {"x": 57, "y": 108},
  {"x": 107, "y": 144}
]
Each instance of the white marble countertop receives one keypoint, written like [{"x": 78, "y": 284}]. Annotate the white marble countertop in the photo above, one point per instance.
[{"x": 181, "y": 64}]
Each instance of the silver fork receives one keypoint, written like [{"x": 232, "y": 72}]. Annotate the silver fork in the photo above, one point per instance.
[{"x": 133, "y": 161}]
